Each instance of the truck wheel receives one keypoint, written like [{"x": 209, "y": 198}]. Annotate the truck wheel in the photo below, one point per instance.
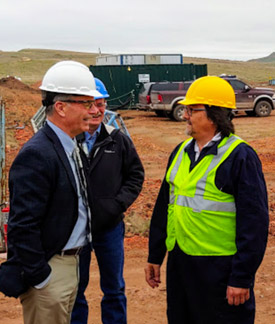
[
  {"x": 177, "y": 113},
  {"x": 160, "y": 113},
  {"x": 263, "y": 108}
]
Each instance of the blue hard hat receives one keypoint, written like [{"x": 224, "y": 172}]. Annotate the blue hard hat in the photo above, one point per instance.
[{"x": 100, "y": 87}]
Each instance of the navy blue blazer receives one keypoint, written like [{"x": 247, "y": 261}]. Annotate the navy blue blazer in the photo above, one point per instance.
[{"x": 43, "y": 211}]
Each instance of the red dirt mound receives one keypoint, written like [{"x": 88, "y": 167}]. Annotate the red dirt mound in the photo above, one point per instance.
[{"x": 13, "y": 83}]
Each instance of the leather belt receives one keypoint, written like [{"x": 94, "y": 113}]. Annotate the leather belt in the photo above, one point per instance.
[{"x": 75, "y": 251}]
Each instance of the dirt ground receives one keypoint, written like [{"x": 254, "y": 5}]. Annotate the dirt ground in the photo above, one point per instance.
[{"x": 154, "y": 139}]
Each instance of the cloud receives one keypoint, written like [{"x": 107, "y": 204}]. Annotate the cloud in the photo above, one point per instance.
[{"x": 222, "y": 29}]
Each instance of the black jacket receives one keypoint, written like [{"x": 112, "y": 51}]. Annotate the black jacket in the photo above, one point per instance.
[
  {"x": 115, "y": 176},
  {"x": 43, "y": 211}
]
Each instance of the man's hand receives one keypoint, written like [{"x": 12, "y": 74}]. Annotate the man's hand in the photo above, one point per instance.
[
  {"x": 236, "y": 296},
  {"x": 152, "y": 274}
]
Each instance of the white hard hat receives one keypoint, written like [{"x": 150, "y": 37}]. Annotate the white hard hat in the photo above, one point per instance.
[{"x": 70, "y": 77}]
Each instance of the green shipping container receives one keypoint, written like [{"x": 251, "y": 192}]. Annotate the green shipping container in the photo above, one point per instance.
[{"x": 123, "y": 81}]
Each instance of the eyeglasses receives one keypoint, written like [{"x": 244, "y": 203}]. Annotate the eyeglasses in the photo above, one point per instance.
[
  {"x": 100, "y": 104},
  {"x": 189, "y": 110},
  {"x": 87, "y": 103}
]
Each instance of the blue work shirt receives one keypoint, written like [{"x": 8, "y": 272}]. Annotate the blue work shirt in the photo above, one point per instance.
[{"x": 91, "y": 139}]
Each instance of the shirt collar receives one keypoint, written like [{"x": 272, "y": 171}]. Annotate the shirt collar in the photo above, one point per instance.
[
  {"x": 215, "y": 139},
  {"x": 88, "y": 136},
  {"x": 67, "y": 142}
]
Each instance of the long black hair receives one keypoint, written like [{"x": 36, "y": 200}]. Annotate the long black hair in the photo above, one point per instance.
[{"x": 222, "y": 119}]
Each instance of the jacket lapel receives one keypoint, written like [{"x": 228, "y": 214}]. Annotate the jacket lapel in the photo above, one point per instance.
[{"x": 61, "y": 153}]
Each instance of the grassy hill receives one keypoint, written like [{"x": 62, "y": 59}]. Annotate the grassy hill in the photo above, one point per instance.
[
  {"x": 268, "y": 59},
  {"x": 31, "y": 64},
  {"x": 253, "y": 72}
]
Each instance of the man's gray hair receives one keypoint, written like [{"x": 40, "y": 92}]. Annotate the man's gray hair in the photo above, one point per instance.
[{"x": 49, "y": 98}]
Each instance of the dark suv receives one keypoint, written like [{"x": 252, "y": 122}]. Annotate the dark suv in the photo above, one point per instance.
[{"x": 254, "y": 101}]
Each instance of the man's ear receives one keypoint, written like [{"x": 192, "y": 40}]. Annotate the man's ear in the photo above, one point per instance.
[{"x": 59, "y": 107}]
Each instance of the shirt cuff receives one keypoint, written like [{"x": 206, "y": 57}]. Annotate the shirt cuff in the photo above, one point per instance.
[{"x": 43, "y": 283}]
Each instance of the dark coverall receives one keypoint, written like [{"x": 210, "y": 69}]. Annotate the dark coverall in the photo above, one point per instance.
[{"x": 196, "y": 285}]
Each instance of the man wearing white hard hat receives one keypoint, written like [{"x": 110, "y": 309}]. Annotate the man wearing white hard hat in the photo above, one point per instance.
[{"x": 49, "y": 218}]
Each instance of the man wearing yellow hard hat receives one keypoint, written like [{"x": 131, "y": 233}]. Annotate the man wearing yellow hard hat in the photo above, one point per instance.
[{"x": 211, "y": 215}]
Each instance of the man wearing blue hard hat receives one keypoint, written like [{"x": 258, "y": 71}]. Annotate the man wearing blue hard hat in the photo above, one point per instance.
[{"x": 115, "y": 176}]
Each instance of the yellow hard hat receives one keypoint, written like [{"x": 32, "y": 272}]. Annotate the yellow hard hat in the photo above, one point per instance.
[{"x": 212, "y": 91}]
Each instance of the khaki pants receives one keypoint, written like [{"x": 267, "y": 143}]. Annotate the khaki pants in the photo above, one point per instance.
[{"x": 53, "y": 303}]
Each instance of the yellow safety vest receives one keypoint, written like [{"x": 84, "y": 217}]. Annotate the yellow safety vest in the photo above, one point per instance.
[{"x": 201, "y": 218}]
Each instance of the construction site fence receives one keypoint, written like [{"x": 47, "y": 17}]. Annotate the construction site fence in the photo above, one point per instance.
[{"x": 2, "y": 151}]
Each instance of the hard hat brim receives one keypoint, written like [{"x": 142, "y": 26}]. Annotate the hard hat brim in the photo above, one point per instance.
[
  {"x": 188, "y": 102},
  {"x": 102, "y": 96},
  {"x": 81, "y": 92}
]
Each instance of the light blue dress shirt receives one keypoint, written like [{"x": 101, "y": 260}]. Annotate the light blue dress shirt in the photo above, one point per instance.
[{"x": 79, "y": 235}]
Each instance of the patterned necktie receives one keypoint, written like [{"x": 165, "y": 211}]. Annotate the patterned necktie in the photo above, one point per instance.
[{"x": 82, "y": 185}]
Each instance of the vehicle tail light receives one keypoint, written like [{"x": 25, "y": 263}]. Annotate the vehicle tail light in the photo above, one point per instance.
[
  {"x": 160, "y": 99},
  {"x": 148, "y": 99}
]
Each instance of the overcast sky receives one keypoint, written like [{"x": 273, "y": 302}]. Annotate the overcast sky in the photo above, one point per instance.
[{"x": 233, "y": 29}]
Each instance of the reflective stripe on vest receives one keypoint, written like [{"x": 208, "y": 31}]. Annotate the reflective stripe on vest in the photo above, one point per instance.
[{"x": 198, "y": 210}]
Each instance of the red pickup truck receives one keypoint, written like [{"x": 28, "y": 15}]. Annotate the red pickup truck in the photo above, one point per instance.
[
  {"x": 254, "y": 101},
  {"x": 166, "y": 100},
  {"x": 147, "y": 89}
]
